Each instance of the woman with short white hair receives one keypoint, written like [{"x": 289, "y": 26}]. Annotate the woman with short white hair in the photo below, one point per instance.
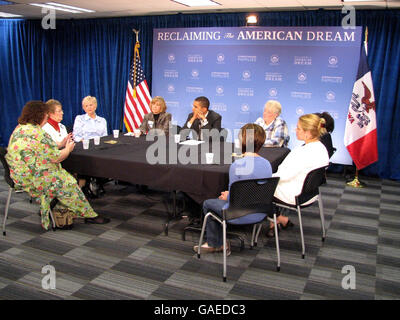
[
  {"x": 89, "y": 125},
  {"x": 275, "y": 127}
]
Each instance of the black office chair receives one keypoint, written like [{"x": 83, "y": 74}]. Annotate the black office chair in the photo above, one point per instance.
[
  {"x": 314, "y": 179},
  {"x": 10, "y": 182},
  {"x": 246, "y": 197}
]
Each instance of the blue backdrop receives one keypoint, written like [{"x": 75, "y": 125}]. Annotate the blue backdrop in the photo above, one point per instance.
[
  {"x": 307, "y": 69},
  {"x": 82, "y": 57}
]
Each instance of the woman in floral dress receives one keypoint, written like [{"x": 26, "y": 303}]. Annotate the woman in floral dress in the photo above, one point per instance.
[{"x": 34, "y": 161}]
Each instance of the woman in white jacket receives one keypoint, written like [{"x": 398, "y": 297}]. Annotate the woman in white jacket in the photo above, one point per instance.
[
  {"x": 300, "y": 161},
  {"x": 54, "y": 127}
]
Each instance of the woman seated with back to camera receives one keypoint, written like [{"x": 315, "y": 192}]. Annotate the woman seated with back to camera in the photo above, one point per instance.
[
  {"x": 298, "y": 163},
  {"x": 54, "y": 127},
  {"x": 326, "y": 138},
  {"x": 158, "y": 118},
  {"x": 34, "y": 161},
  {"x": 251, "y": 166}
]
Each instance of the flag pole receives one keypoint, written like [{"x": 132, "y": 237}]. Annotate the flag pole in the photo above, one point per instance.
[
  {"x": 356, "y": 183},
  {"x": 121, "y": 126},
  {"x": 135, "y": 54}
]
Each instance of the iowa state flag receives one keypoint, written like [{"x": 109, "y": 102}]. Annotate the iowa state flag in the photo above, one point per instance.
[{"x": 360, "y": 136}]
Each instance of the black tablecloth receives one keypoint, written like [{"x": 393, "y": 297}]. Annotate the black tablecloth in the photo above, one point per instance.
[{"x": 126, "y": 160}]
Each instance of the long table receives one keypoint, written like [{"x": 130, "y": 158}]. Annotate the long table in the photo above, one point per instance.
[{"x": 126, "y": 160}]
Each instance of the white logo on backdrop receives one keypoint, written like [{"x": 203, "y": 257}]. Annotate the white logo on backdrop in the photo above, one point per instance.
[
  {"x": 299, "y": 110},
  {"x": 333, "y": 60},
  {"x": 220, "y": 58},
  {"x": 302, "y": 77},
  {"x": 171, "y": 58},
  {"x": 274, "y": 59},
  {"x": 245, "y": 107},
  {"x": 171, "y": 88},
  {"x": 273, "y": 92},
  {"x": 330, "y": 96},
  {"x": 219, "y": 90},
  {"x": 195, "y": 73},
  {"x": 246, "y": 75}
]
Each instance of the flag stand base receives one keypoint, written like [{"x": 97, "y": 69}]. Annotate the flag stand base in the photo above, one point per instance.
[{"x": 356, "y": 183}]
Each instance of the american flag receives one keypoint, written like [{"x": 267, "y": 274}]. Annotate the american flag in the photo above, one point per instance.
[{"x": 137, "y": 100}]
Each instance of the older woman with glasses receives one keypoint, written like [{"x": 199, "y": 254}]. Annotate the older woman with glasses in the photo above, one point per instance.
[{"x": 54, "y": 127}]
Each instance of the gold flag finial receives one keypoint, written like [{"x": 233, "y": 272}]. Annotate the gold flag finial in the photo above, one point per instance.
[{"x": 137, "y": 34}]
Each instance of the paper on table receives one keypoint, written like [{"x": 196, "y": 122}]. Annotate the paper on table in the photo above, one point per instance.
[
  {"x": 191, "y": 142},
  {"x": 128, "y": 134}
]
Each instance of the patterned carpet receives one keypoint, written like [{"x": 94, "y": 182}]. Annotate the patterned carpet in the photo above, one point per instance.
[{"x": 132, "y": 258}]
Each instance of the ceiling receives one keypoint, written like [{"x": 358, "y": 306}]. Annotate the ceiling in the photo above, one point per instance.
[{"x": 119, "y": 8}]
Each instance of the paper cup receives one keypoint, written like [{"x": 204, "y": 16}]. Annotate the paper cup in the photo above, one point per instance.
[
  {"x": 136, "y": 133},
  {"x": 209, "y": 158},
  {"x": 116, "y": 133},
  {"x": 85, "y": 144},
  {"x": 150, "y": 123},
  {"x": 237, "y": 144},
  {"x": 96, "y": 141},
  {"x": 177, "y": 138}
]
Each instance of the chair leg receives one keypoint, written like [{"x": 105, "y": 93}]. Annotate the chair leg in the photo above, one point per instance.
[
  {"x": 6, "y": 210},
  {"x": 202, "y": 234},
  {"x": 253, "y": 236},
  {"x": 224, "y": 247},
  {"x": 278, "y": 252},
  {"x": 321, "y": 213},
  {"x": 257, "y": 234},
  {"x": 52, "y": 220},
  {"x": 301, "y": 233}
]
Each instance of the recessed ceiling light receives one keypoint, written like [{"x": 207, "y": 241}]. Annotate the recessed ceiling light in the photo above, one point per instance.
[
  {"x": 53, "y": 7},
  {"x": 251, "y": 19},
  {"x": 68, "y": 7},
  {"x": 197, "y": 3},
  {"x": 61, "y": 7},
  {"x": 9, "y": 15}
]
